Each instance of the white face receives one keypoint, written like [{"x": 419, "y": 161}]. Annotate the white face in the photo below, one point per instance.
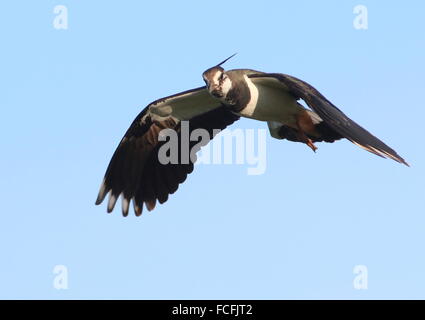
[{"x": 218, "y": 84}]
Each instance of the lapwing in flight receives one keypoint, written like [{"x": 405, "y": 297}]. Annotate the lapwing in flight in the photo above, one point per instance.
[{"x": 135, "y": 172}]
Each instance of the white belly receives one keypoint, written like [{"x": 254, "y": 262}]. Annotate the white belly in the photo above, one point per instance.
[{"x": 270, "y": 104}]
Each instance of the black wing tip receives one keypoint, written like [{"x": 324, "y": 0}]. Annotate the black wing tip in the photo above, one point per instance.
[
  {"x": 138, "y": 208},
  {"x": 399, "y": 160},
  {"x": 380, "y": 152},
  {"x": 394, "y": 156},
  {"x": 102, "y": 193},
  {"x": 402, "y": 161}
]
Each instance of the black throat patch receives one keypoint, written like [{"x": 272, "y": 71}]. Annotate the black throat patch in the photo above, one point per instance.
[{"x": 239, "y": 95}]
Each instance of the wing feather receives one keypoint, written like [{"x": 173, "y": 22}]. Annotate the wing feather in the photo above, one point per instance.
[
  {"x": 330, "y": 114},
  {"x": 135, "y": 172}
]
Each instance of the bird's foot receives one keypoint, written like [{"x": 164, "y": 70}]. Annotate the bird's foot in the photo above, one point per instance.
[{"x": 311, "y": 145}]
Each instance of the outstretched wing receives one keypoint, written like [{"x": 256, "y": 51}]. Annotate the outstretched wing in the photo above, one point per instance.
[
  {"x": 329, "y": 113},
  {"x": 135, "y": 170}
]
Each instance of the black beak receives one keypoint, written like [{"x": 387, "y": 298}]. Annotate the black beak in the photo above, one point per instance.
[{"x": 217, "y": 93}]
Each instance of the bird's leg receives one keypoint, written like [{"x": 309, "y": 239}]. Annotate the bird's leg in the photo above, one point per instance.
[
  {"x": 304, "y": 120},
  {"x": 311, "y": 144},
  {"x": 306, "y": 140}
]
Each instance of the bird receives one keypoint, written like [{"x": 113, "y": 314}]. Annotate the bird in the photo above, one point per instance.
[{"x": 136, "y": 173}]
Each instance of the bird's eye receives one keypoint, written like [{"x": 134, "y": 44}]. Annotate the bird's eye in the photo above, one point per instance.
[{"x": 222, "y": 76}]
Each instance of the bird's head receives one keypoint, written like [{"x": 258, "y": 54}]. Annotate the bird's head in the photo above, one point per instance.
[{"x": 217, "y": 81}]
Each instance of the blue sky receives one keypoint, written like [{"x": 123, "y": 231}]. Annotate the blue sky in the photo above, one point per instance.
[{"x": 297, "y": 231}]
